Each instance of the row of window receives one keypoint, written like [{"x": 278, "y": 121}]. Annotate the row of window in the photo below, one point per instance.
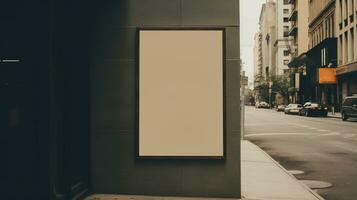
[
  {"x": 346, "y": 9},
  {"x": 347, "y": 44},
  {"x": 324, "y": 30}
]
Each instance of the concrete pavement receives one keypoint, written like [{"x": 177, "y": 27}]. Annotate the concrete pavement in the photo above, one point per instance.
[
  {"x": 262, "y": 179},
  {"x": 324, "y": 149}
]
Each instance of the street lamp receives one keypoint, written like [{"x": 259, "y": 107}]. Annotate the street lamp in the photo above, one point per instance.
[{"x": 270, "y": 91}]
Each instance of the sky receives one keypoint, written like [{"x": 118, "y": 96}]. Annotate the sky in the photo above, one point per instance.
[{"x": 249, "y": 19}]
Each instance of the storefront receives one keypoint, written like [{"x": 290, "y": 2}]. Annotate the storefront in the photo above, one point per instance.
[
  {"x": 347, "y": 81},
  {"x": 306, "y": 78}
]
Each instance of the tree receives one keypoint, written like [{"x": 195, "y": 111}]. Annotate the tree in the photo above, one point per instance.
[
  {"x": 261, "y": 88},
  {"x": 280, "y": 85}
]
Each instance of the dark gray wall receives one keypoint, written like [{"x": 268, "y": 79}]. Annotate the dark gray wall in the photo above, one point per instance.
[
  {"x": 69, "y": 106},
  {"x": 114, "y": 168},
  {"x": 24, "y": 99}
]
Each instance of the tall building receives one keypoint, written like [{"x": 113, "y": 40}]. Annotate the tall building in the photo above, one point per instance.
[
  {"x": 282, "y": 40},
  {"x": 322, "y": 53},
  {"x": 267, "y": 23},
  {"x": 314, "y": 70},
  {"x": 299, "y": 32},
  {"x": 275, "y": 40},
  {"x": 346, "y": 25},
  {"x": 257, "y": 52}
]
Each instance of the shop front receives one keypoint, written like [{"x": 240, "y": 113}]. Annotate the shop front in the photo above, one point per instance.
[
  {"x": 347, "y": 81},
  {"x": 313, "y": 75}
]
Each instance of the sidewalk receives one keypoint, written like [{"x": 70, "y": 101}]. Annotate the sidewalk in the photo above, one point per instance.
[
  {"x": 262, "y": 179},
  {"x": 335, "y": 115}
]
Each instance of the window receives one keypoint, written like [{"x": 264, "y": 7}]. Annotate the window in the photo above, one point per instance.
[
  {"x": 352, "y": 43},
  {"x": 346, "y": 10},
  {"x": 286, "y": 31},
  {"x": 286, "y": 11},
  {"x": 345, "y": 53},
  {"x": 327, "y": 28},
  {"x": 341, "y": 16},
  {"x": 323, "y": 57},
  {"x": 348, "y": 102},
  {"x": 286, "y": 52},
  {"x": 332, "y": 25},
  {"x": 286, "y": 62},
  {"x": 266, "y": 71},
  {"x": 351, "y": 6},
  {"x": 286, "y": 2},
  {"x": 286, "y": 19},
  {"x": 340, "y": 56}
]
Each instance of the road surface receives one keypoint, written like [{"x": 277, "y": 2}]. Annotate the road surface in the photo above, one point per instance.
[{"x": 324, "y": 148}]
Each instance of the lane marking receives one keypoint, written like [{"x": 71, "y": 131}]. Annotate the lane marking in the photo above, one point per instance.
[
  {"x": 273, "y": 134},
  {"x": 348, "y": 135},
  {"x": 331, "y": 134}
]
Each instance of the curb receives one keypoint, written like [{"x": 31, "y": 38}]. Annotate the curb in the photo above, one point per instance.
[
  {"x": 331, "y": 116},
  {"x": 286, "y": 171}
]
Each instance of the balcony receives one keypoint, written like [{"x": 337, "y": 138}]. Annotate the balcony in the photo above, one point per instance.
[
  {"x": 293, "y": 15},
  {"x": 293, "y": 30}
]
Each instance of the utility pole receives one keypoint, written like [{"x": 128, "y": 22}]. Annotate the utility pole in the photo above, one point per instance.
[
  {"x": 270, "y": 91},
  {"x": 244, "y": 83}
]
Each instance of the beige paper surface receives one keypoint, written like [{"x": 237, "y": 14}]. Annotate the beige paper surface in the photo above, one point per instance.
[{"x": 181, "y": 93}]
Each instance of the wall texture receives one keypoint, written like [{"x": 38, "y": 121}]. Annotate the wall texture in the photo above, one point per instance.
[{"x": 114, "y": 168}]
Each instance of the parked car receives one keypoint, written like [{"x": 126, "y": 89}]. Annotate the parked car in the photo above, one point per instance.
[
  {"x": 313, "y": 109},
  {"x": 262, "y": 104},
  {"x": 349, "y": 108},
  {"x": 280, "y": 108},
  {"x": 293, "y": 109}
]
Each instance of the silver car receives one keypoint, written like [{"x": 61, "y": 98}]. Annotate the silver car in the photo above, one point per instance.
[{"x": 293, "y": 109}]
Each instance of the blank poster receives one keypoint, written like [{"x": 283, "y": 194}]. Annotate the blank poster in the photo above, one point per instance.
[{"x": 181, "y": 93}]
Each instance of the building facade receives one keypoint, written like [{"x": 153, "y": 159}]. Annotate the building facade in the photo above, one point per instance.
[
  {"x": 299, "y": 18},
  {"x": 283, "y": 40},
  {"x": 323, "y": 51},
  {"x": 267, "y": 23},
  {"x": 299, "y": 31},
  {"x": 346, "y": 26},
  {"x": 257, "y": 53},
  {"x": 321, "y": 21}
]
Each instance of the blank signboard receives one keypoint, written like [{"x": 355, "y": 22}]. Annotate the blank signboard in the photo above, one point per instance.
[{"x": 181, "y": 93}]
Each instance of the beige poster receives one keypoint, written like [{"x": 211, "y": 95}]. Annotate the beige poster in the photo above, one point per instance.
[{"x": 181, "y": 93}]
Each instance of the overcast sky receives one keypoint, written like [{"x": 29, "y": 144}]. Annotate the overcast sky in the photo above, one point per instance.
[{"x": 249, "y": 19}]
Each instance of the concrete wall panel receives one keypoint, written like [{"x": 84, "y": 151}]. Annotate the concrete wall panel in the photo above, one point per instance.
[{"x": 114, "y": 168}]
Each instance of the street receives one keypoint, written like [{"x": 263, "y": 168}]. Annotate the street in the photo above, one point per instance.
[{"x": 325, "y": 149}]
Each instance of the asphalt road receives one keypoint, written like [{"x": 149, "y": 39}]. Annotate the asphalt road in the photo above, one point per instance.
[{"x": 324, "y": 148}]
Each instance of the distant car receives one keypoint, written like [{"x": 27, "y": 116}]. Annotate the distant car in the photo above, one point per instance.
[
  {"x": 349, "y": 108},
  {"x": 262, "y": 104},
  {"x": 293, "y": 109},
  {"x": 313, "y": 109},
  {"x": 280, "y": 108}
]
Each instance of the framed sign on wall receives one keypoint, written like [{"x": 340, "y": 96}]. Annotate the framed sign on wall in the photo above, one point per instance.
[{"x": 181, "y": 93}]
